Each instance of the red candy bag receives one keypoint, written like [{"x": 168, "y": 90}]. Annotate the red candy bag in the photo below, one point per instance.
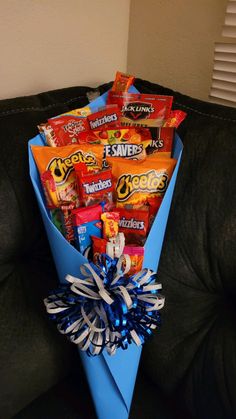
[
  {"x": 175, "y": 119},
  {"x": 134, "y": 223},
  {"x": 99, "y": 247},
  {"x": 67, "y": 128},
  {"x": 50, "y": 190},
  {"x": 94, "y": 187},
  {"x": 104, "y": 118},
  {"x": 68, "y": 229},
  {"x": 122, "y": 82},
  {"x": 110, "y": 224}
]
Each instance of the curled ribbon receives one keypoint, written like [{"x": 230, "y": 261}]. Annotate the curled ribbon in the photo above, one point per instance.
[{"x": 107, "y": 309}]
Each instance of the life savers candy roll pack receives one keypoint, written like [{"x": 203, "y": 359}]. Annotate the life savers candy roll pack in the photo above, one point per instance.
[
  {"x": 117, "y": 142},
  {"x": 142, "y": 109},
  {"x": 131, "y": 142}
]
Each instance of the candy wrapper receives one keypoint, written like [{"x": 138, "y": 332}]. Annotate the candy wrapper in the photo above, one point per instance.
[{"x": 111, "y": 378}]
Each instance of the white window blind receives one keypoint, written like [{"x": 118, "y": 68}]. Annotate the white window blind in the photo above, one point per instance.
[
  {"x": 229, "y": 28},
  {"x": 224, "y": 67}
]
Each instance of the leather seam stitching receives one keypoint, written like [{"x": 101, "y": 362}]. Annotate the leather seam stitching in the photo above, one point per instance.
[
  {"x": 205, "y": 114},
  {"x": 33, "y": 108}
]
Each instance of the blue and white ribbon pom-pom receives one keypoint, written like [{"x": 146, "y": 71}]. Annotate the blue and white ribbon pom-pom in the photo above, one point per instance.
[{"x": 106, "y": 309}]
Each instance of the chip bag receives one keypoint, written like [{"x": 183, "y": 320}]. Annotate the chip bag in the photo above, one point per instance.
[
  {"x": 59, "y": 161},
  {"x": 140, "y": 183}
]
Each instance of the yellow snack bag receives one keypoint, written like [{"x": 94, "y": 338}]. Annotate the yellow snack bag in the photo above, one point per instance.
[
  {"x": 142, "y": 182},
  {"x": 81, "y": 112},
  {"x": 60, "y": 162}
]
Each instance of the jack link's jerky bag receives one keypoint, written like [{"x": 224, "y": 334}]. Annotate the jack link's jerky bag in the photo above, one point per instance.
[
  {"x": 140, "y": 109},
  {"x": 158, "y": 141}
]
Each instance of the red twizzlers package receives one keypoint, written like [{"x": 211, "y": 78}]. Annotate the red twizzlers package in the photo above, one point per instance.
[
  {"x": 107, "y": 117},
  {"x": 141, "y": 109},
  {"x": 134, "y": 223},
  {"x": 94, "y": 187}
]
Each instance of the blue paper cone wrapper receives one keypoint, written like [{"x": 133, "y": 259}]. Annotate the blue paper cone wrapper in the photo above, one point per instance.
[{"x": 111, "y": 378}]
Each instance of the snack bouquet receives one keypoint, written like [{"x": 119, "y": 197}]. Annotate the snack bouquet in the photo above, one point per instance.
[{"x": 104, "y": 177}]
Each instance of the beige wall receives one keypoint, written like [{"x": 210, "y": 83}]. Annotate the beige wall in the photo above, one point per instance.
[
  {"x": 171, "y": 42},
  {"x": 47, "y": 44}
]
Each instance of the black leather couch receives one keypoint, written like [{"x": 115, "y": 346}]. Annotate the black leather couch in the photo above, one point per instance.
[{"x": 188, "y": 370}]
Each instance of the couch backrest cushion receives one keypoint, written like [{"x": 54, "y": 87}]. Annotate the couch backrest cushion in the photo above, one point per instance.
[
  {"x": 33, "y": 356},
  {"x": 195, "y": 352}
]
